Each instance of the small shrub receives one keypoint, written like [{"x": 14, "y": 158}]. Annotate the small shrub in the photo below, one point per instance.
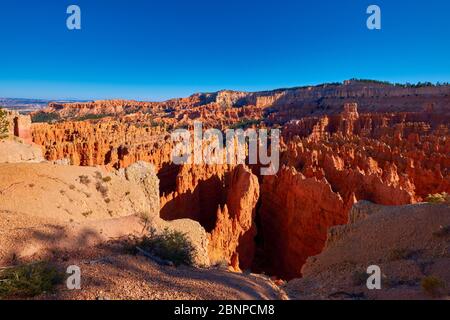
[
  {"x": 222, "y": 264},
  {"x": 85, "y": 180},
  {"x": 102, "y": 189},
  {"x": 107, "y": 200},
  {"x": 439, "y": 198},
  {"x": 400, "y": 254},
  {"x": 28, "y": 280},
  {"x": 169, "y": 245},
  {"x": 145, "y": 217},
  {"x": 433, "y": 286},
  {"x": 72, "y": 187},
  {"x": 359, "y": 278},
  {"x": 92, "y": 117},
  {"x": 86, "y": 213},
  {"x": 443, "y": 232},
  {"x": 244, "y": 124},
  {"x": 45, "y": 117},
  {"x": 107, "y": 179}
]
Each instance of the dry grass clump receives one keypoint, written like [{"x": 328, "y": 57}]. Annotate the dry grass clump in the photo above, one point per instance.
[
  {"x": 433, "y": 286},
  {"x": 85, "y": 180},
  {"x": 439, "y": 198},
  {"x": 443, "y": 232},
  {"x": 28, "y": 280},
  {"x": 400, "y": 254},
  {"x": 102, "y": 189}
]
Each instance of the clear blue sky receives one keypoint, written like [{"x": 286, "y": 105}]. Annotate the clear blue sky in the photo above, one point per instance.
[{"x": 152, "y": 50}]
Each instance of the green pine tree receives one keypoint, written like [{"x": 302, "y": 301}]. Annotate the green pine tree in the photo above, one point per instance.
[{"x": 4, "y": 124}]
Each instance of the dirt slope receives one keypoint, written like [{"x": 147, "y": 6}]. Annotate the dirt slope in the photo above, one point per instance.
[
  {"x": 113, "y": 274},
  {"x": 409, "y": 243}
]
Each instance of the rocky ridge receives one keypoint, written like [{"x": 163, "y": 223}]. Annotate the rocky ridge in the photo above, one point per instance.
[{"x": 391, "y": 148}]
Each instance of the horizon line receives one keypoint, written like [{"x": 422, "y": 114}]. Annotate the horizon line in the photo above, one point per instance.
[{"x": 374, "y": 81}]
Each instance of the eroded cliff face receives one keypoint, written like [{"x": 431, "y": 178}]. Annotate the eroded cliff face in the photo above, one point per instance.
[
  {"x": 392, "y": 159},
  {"x": 333, "y": 161},
  {"x": 295, "y": 215},
  {"x": 115, "y": 143},
  {"x": 274, "y": 223},
  {"x": 277, "y": 106},
  {"x": 223, "y": 200},
  {"x": 233, "y": 235}
]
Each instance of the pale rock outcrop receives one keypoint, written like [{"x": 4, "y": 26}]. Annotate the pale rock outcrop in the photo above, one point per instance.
[
  {"x": 46, "y": 207},
  {"x": 144, "y": 175},
  {"x": 15, "y": 150}
]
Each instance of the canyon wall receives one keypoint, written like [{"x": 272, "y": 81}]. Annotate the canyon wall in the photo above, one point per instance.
[
  {"x": 295, "y": 215},
  {"x": 329, "y": 161},
  {"x": 223, "y": 200},
  {"x": 274, "y": 107},
  {"x": 333, "y": 161}
]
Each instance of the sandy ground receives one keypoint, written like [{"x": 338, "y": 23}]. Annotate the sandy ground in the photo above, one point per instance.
[
  {"x": 50, "y": 213},
  {"x": 110, "y": 273}
]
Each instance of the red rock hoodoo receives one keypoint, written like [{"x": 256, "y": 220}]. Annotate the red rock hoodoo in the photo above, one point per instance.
[{"x": 391, "y": 148}]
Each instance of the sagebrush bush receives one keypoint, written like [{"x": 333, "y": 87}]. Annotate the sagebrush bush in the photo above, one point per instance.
[
  {"x": 433, "y": 286},
  {"x": 84, "y": 180},
  {"x": 359, "y": 278},
  {"x": 28, "y": 280},
  {"x": 102, "y": 189},
  {"x": 169, "y": 245},
  {"x": 443, "y": 197},
  {"x": 400, "y": 254},
  {"x": 443, "y": 232}
]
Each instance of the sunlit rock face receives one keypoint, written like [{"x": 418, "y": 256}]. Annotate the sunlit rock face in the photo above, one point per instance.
[{"x": 340, "y": 144}]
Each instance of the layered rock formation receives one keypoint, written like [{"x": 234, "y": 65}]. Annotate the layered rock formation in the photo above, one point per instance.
[
  {"x": 278, "y": 106},
  {"x": 392, "y": 148},
  {"x": 113, "y": 143},
  {"x": 393, "y": 158},
  {"x": 295, "y": 215},
  {"x": 223, "y": 200},
  {"x": 332, "y": 162}
]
